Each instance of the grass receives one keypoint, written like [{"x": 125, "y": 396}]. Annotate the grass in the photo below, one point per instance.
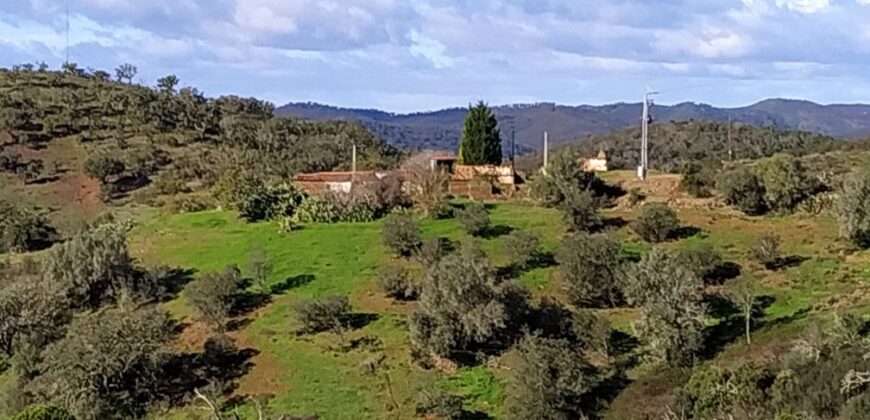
[
  {"x": 311, "y": 375},
  {"x": 339, "y": 258}
]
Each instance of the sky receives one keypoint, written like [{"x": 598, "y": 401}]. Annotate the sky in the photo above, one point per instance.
[{"x": 419, "y": 55}]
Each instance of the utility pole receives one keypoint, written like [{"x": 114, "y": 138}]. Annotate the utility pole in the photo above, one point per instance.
[
  {"x": 546, "y": 151},
  {"x": 513, "y": 149},
  {"x": 67, "y": 31},
  {"x": 730, "y": 150},
  {"x": 353, "y": 168},
  {"x": 644, "y": 135}
]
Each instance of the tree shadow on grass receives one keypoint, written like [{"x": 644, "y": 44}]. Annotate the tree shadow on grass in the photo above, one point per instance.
[
  {"x": 685, "y": 232},
  {"x": 357, "y": 321},
  {"x": 249, "y": 301},
  {"x": 171, "y": 281},
  {"x": 613, "y": 223},
  {"x": 723, "y": 272},
  {"x": 732, "y": 325},
  {"x": 218, "y": 363},
  {"x": 786, "y": 262},
  {"x": 538, "y": 261},
  {"x": 496, "y": 231}
]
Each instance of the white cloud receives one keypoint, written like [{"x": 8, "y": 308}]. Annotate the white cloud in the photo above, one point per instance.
[{"x": 805, "y": 6}]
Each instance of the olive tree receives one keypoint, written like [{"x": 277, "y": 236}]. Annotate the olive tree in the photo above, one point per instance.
[
  {"x": 465, "y": 306},
  {"x": 853, "y": 208},
  {"x": 95, "y": 267},
  {"x": 402, "y": 234},
  {"x": 590, "y": 269},
  {"x": 670, "y": 299},
  {"x": 213, "y": 296},
  {"x": 106, "y": 362},
  {"x": 656, "y": 222},
  {"x": 550, "y": 379},
  {"x": 474, "y": 219},
  {"x": 785, "y": 181}
]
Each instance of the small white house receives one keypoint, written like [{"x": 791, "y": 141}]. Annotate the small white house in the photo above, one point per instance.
[{"x": 596, "y": 164}]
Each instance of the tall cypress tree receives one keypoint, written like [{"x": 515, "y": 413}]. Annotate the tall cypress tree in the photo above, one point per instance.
[{"x": 481, "y": 140}]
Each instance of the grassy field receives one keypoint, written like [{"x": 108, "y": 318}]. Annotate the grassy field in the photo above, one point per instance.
[{"x": 313, "y": 374}]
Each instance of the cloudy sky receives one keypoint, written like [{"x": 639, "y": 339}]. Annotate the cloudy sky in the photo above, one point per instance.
[{"x": 416, "y": 55}]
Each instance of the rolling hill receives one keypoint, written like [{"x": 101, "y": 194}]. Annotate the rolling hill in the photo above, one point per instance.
[{"x": 441, "y": 129}]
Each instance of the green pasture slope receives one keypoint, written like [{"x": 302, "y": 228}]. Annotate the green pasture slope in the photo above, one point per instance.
[{"x": 308, "y": 375}]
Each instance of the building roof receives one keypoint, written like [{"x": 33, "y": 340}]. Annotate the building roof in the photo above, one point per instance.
[
  {"x": 338, "y": 176},
  {"x": 444, "y": 158},
  {"x": 601, "y": 154}
]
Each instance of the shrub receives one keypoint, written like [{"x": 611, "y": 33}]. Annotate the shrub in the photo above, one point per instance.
[
  {"x": 766, "y": 251},
  {"x": 396, "y": 282},
  {"x": 340, "y": 207},
  {"x": 441, "y": 405},
  {"x": 656, "y": 223},
  {"x": 43, "y": 412},
  {"x": 743, "y": 189},
  {"x": 474, "y": 219},
  {"x": 328, "y": 313},
  {"x": 563, "y": 177},
  {"x": 270, "y": 203},
  {"x": 693, "y": 182},
  {"x": 428, "y": 191},
  {"x": 714, "y": 392},
  {"x": 523, "y": 248},
  {"x": 635, "y": 197},
  {"x": 431, "y": 251},
  {"x": 671, "y": 305},
  {"x": 213, "y": 295},
  {"x": 853, "y": 208},
  {"x": 465, "y": 306},
  {"x": 551, "y": 379},
  {"x": 580, "y": 211},
  {"x": 703, "y": 260},
  {"x": 785, "y": 182},
  {"x": 590, "y": 269},
  {"x": 188, "y": 203},
  {"x": 103, "y": 166},
  {"x": 22, "y": 230},
  {"x": 402, "y": 234}
]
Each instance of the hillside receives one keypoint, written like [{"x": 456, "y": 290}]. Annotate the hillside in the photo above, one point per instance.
[
  {"x": 674, "y": 144},
  {"x": 75, "y": 136},
  {"x": 441, "y": 129}
]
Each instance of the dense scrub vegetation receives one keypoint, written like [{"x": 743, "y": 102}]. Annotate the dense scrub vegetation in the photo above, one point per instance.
[
  {"x": 676, "y": 144},
  {"x": 174, "y": 137}
]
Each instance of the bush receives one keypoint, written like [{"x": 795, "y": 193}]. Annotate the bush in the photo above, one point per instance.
[
  {"x": 656, "y": 223},
  {"x": 402, "y": 234},
  {"x": 523, "y": 248},
  {"x": 766, "y": 251},
  {"x": 785, "y": 181},
  {"x": 551, "y": 379},
  {"x": 43, "y": 412},
  {"x": 703, "y": 259},
  {"x": 270, "y": 203},
  {"x": 22, "y": 230},
  {"x": 340, "y": 207},
  {"x": 692, "y": 181},
  {"x": 635, "y": 197},
  {"x": 743, "y": 189},
  {"x": 441, "y": 405},
  {"x": 670, "y": 298},
  {"x": 213, "y": 295},
  {"x": 853, "y": 208},
  {"x": 466, "y": 307},
  {"x": 590, "y": 269},
  {"x": 188, "y": 203},
  {"x": 103, "y": 166},
  {"x": 396, "y": 282},
  {"x": 431, "y": 251},
  {"x": 714, "y": 392},
  {"x": 563, "y": 178},
  {"x": 474, "y": 219},
  {"x": 580, "y": 211},
  {"x": 328, "y": 313}
]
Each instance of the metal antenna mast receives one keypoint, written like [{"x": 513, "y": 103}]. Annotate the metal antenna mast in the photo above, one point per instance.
[
  {"x": 644, "y": 136},
  {"x": 67, "y": 31}
]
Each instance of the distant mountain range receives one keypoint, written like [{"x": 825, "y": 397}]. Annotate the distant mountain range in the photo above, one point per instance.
[{"x": 441, "y": 129}]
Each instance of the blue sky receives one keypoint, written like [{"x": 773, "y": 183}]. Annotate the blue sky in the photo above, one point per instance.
[{"x": 417, "y": 55}]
